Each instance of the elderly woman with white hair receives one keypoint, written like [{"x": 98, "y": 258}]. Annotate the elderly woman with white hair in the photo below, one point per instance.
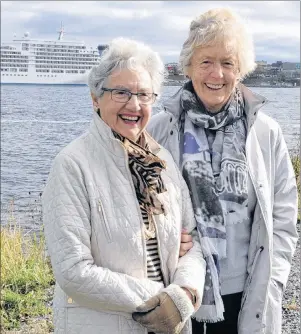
[
  {"x": 237, "y": 167},
  {"x": 114, "y": 207}
]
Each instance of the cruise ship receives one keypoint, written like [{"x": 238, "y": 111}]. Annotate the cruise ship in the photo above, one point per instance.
[{"x": 33, "y": 61}]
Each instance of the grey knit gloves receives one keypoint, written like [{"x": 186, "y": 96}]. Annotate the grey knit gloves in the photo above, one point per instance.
[{"x": 166, "y": 312}]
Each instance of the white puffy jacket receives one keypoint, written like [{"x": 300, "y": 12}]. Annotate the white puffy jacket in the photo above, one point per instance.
[{"x": 93, "y": 229}]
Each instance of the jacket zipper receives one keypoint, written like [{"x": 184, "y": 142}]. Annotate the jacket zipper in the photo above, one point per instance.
[{"x": 105, "y": 222}]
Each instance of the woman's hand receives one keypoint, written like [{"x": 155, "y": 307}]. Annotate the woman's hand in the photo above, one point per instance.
[
  {"x": 166, "y": 312},
  {"x": 159, "y": 314},
  {"x": 186, "y": 243}
]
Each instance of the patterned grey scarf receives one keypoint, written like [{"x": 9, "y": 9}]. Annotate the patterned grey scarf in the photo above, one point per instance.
[{"x": 214, "y": 168}]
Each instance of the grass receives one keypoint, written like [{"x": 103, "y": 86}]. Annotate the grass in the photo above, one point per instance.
[{"x": 26, "y": 278}]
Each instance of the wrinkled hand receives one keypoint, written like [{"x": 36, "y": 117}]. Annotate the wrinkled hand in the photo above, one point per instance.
[
  {"x": 159, "y": 314},
  {"x": 186, "y": 243}
]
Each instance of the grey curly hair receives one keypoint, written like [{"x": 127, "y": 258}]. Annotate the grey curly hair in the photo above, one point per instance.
[
  {"x": 126, "y": 53},
  {"x": 220, "y": 25}
]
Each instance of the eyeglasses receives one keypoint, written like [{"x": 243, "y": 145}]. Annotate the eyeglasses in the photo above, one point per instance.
[{"x": 124, "y": 96}]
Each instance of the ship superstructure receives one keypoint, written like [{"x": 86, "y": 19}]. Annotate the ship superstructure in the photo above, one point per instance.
[{"x": 33, "y": 61}]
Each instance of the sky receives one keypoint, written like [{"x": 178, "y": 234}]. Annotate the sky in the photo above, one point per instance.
[{"x": 163, "y": 25}]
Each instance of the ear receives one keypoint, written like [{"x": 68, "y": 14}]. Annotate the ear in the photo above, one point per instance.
[
  {"x": 188, "y": 72},
  {"x": 94, "y": 98},
  {"x": 95, "y": 101},
  {"x": 238, "y": 75}
]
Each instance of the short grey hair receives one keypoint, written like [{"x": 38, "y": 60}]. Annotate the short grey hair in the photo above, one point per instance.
[
  {"x": 220, "y": 25},
  {"x": 126, "y": 53}
]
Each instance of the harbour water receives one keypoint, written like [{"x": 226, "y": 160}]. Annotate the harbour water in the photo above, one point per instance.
[{"x": 37, "y": 121}]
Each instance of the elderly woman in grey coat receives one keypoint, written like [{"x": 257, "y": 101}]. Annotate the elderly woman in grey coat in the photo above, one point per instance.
[
  {"x": 241, "y": 181},
  {"x": 114, "y": 207}
]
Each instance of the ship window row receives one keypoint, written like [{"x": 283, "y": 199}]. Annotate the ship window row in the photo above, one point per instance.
[
  {"x": 25, "y": 75},
  {"x": 55, "y": 50},
  {"x": 77, "y": 55},
  {"x": 13, "y": 70},
  {"x": 47, "y": 51},
  {"x": 19, "y": 75},
  {"x": 17, "y": 56},
  {"x": 65, "y": 62},
  {"x": 60, "y": 60},
  {"x": 13, "y": 57},
  {"x": 7, "y": 54},
  {"x": 56, "y": 46},
  {"x": 65, "y": 66},
  {"x": 10, "y": 52},
  {"x": 61, "y": 71},
  {"x": 53, "y": 71},
  {"x": 46, "y": 76},
  {"x": 80, "y": 58},
  {"x": 60, "y": 65},
  {"x": 14, "y": 65},
  {"x": 21, "y": 61}
]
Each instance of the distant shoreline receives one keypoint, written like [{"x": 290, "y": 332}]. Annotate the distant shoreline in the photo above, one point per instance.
[{"x": 180, "y": 83}]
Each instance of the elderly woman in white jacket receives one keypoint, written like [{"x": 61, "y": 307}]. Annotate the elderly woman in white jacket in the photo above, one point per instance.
[
  {"x": 237, "y": 167},
  {"x": 114, "y": 207}
]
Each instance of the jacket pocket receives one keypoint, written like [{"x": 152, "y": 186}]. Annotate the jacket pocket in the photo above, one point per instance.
[
  {"x": 249, "y": 279},
  {"x": 104, "y": 221}
]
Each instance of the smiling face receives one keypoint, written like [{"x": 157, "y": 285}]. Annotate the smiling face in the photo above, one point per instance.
[
  {"x": 214, "y": 74},
  {"x": 127, "y": 118}
]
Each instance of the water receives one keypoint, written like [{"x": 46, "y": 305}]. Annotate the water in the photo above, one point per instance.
[{"x": 37, "y": 121}]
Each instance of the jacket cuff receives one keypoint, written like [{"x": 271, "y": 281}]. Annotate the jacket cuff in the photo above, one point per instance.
[{"x": 181, "y": 300}]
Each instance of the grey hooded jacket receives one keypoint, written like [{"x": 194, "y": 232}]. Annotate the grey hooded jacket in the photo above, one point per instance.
[{"x": 274, "y": 234}]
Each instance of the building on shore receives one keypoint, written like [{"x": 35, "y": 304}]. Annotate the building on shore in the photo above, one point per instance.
[{"x": 173, "y": 69}]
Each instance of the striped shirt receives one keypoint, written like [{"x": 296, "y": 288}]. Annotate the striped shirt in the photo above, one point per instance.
[{"x": 153, "y": 260}]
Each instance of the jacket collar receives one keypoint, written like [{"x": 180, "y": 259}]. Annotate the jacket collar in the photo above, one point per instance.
[
  {"x": 103, "y": 133},
  {"x": 253, "y": 102}
]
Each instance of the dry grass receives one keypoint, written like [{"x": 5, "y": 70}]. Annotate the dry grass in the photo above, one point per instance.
[{"x": 26, "y": 277}]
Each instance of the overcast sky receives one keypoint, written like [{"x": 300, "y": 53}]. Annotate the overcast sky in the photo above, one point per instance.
[{"x": 161, "y": 24}]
